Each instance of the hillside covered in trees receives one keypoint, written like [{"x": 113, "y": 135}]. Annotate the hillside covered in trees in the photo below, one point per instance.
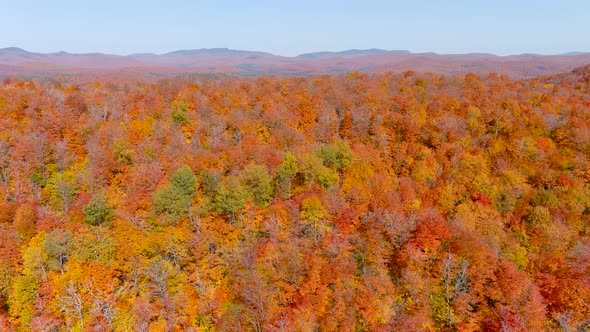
[
  {"x": 386, "y": 202},
  {"x": 16, "y": 62}
]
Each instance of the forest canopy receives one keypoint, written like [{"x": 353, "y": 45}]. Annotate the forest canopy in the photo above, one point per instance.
[{"x": 356, "y": 202}]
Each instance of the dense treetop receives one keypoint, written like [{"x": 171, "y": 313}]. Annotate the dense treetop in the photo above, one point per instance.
[{"x": 383, "y": 202}]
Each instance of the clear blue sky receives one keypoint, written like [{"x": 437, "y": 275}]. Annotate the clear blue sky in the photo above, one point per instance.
[{"x": 294, "y": 27}]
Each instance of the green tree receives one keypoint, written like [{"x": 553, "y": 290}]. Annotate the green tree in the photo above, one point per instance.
[
  {"x": 259, "y": 184},
  {"x": 96, "y": 246},
  {"x": 175, "y": 198},
  {"x": 285, "y": 174},
  {"x": 210, "y": 183},
  {"x": 328, "y": 178},
  {"x": 185, "y": 180},
  {"x": 337, "y": 155},
  {"x": 98, "y": 210},
  {"x": 57, "y": 247},
  {"x": 539, "y": 217},
  {"x": 230, "y": 198},
  {"x": 311, "y": 166},
  {"x": 62, "y": 190},
  {"x": 314, "y": 170},
  {"x": 180, "y": 112}
]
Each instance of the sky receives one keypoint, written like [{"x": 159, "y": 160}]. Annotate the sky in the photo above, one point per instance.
[{"x": 293, "y": 27}]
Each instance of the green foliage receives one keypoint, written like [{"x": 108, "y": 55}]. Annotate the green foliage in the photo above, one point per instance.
[
  {"x": 210, "y": 184},
  {"x": 62, "y": 189},
  {"x": 98, "y": 210},
  {"x": 288, "y": 168},
  {"x": 285, "y": 174},
  {"x": 314, "y": 170},
  {"x": 337, "y": 155},
  {"x": 259, "y": 184},
  {"x": 169, "y": 200},
  {"x": 93, "y": 247},
  {"x": 328, "y": 178},
  {"x": 539, "y": 217},
  {"x": 230, "y": 198},
  {"x": 5, "y": 281},
  {"x": 180, "y": 112},
  {"x": 123, "y": 152},
  {"x": 39, "y": 180},
  {"x": 440, "y": 309},
  {"x": 546, "y": 198},
  {"x": 175, "y": 198},
  {"x": 311, "y": 166},
  {"x": 57, "y": 247},
  {"x": 185, "y": 180}
]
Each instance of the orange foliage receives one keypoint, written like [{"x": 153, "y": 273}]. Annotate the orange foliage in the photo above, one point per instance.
[{"x": 336, "y": 203}]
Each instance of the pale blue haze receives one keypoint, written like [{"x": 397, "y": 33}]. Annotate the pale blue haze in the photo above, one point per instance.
[{"x": 294, "y": 27}]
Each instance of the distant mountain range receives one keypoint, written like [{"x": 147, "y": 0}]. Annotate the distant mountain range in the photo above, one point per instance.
[
  {"x": 18, "y": 62},
  {"x": 349, "y": 53}
]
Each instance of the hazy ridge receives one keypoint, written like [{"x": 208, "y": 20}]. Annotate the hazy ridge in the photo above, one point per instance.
[{"x": 18, "y": 62}]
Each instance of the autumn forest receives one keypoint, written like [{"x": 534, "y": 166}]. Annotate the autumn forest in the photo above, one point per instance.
[{"x": 357, "y": 202}]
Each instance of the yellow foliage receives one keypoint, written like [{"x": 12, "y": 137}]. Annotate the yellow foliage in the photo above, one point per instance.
[
  {"x": 263, "y": 134},
  {"x": 354, "y": 181},
  {"x": 140, "y": 129}
]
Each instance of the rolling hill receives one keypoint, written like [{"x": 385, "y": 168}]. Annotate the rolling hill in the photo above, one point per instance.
[{"x": 18, "y": 62}]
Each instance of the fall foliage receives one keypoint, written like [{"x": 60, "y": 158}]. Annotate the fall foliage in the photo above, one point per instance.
[{"x": 387, "y": 202}]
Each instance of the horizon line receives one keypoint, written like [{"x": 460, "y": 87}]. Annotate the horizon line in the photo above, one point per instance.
[{"x": 294, "y": 56}]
